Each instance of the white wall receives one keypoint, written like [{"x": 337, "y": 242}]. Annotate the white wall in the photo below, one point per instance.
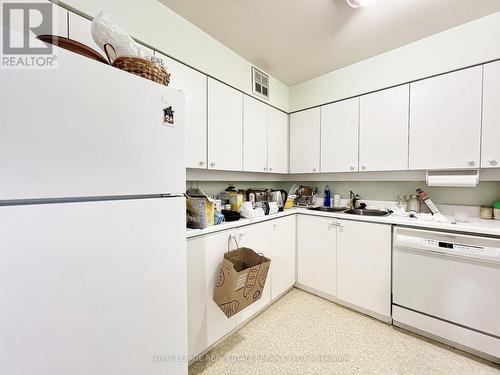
[
  {"x": 153, "y": 23},
  {"x": 472, "y": 43}
]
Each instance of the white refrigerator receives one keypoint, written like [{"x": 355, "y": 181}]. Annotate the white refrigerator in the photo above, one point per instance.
[{"x": 92, "y": 222}]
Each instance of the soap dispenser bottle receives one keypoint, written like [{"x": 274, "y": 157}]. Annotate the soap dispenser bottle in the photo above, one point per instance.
[{"x": 326, "y": 200}]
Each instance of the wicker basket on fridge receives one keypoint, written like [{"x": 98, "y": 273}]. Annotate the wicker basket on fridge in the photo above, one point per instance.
[{"x": 138, "y": 66}]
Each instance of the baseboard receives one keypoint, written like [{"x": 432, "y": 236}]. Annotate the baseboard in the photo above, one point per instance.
[{"x": 350, "y": 306}]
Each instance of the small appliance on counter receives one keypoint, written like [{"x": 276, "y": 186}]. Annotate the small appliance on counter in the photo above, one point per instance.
[
  {"x": 257, "y": 195},
  {"x": 280, "y": 197}
]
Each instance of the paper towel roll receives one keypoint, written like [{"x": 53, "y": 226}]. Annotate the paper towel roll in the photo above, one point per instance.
[{"x": 453, "y": 180}]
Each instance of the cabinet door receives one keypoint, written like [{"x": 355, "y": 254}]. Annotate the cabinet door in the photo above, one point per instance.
[
  {"x": 364, "y": 265},
  {"x": 225, "y": 127},
  {"x": 283, "y": 255},
  {"x": 445, "y": 121},
  {"x": 197, "y": 296},
  {"x": 254, "y": 135},
  {"x": 277, "y": 141},
  {"x": 305, "y": 141},
  {"x": 383, "y": 130},
  {"x": 317, "y": 253},
  {"x": 194, "y": 86},
  {"x": 339, "y": 136},
  {"x": 490, "y": 151},
  {"x": 217, "y": 324},
  {"x": 258, "y": 238},
  {"x": 79, "y": 30}
]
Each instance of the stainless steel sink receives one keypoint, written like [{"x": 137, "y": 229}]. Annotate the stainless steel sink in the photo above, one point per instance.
[
  {"x": 327, "y": 209},
  {"x": 367, "y": 212}
]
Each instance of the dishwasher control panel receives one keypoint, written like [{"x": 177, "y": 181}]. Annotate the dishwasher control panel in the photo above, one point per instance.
[{"x": 441, "y": 245}]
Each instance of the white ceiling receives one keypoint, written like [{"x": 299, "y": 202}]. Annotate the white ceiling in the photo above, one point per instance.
[{"x": 296, "y": 40}]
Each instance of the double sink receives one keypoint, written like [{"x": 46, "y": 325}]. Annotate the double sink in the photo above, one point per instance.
[{"x": 352, "y": 211}]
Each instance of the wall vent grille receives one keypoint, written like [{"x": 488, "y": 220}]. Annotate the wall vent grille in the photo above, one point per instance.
[{"x": 260, "y": 83}]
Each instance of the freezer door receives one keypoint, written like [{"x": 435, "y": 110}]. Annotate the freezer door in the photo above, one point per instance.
[
  {"x": 88, "y": 129},
  {"x": 93, "y": 288}
]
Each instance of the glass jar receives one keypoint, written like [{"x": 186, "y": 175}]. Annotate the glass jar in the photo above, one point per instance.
[{"x": 402, "y": 202}]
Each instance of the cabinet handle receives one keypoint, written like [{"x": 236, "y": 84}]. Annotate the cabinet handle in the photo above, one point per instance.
[
  {"x": 335, "y": 224},
  {"x": 314, "y": 169},
  {"x": 352, "y": 167},
  {"x": 363, "y": 167},
  {"x": 212, "y": 164},
  {"x": 471, "y": 162},
  {"x": 270, "y": 169},
  {"x": 493, "y": 161},
  {"x": 201, "y": 163},
  {"x": 265, "y": 168}
]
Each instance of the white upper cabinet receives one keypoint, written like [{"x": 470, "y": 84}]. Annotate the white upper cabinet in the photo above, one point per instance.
[
  {"x": 305, "y": 141},
  {"x": 225, "y": 127},
  {"x": 79, "y": 30},
  {"x": 383, "y": 130},
  {"x": 255, "y": 114},
  {"x": 490, "y": 151},
  {"x": 194, "y": 86},
  {"x": 445, "y": 121},
  {"x": 277, "y": 141},
  {"x": 339, "y": 136}
]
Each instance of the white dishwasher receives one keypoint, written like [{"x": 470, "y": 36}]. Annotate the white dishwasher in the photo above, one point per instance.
[{"x": 447, "y": 286}]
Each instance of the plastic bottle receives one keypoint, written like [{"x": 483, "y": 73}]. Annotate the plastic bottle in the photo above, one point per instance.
[{"x": 326, "y": 200}]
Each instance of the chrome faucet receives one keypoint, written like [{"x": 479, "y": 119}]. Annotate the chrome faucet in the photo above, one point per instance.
[{"x": 353, "y": 198}]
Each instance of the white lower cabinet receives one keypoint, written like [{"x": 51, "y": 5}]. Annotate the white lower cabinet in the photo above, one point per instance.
[
  {"x": 283, "y": 255},
  {"x": 257, "y": 237},
  {"x": 206, "y": 322},
  {"x": 317, "y": 253},
  {"x": 364, "y": 266},
  {"x": 347, "y": 261}
]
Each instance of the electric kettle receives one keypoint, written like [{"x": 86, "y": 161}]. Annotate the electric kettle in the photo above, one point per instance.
[{"x": 280, "y": 197}]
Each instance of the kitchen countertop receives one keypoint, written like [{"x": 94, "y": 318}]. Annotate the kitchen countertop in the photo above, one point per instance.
[{"x": 474, "y": 226}]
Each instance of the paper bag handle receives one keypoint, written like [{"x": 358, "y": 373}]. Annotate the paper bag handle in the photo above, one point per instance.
[{"x": 229, "y": 242}]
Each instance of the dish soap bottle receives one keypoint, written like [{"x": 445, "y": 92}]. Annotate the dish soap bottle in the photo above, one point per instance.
[
  {"x": 326, "y": 200},
  {"x": 424, "y": 196}
]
